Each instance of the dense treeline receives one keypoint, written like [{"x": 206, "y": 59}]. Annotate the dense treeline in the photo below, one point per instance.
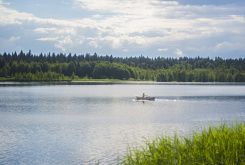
[{"x": 47, "y": 67}]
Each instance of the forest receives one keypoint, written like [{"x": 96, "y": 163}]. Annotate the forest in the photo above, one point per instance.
[{"x": 27, "y": 66}]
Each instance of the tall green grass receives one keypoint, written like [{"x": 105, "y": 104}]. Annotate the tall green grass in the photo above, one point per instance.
[{"x": 221, "y": 145}]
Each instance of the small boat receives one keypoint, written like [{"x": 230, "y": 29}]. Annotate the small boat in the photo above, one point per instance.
[{"x": 145, "y": 98}]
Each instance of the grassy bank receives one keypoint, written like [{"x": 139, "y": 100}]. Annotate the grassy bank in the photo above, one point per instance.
[
  {"x": 91, "y": 81},
  {"x": 215, "y": 145}
]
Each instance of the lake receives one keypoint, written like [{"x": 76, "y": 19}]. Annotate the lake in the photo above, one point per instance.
[{"x": 89, "y": 124}]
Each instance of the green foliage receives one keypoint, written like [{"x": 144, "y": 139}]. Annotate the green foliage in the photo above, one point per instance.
[
  {"x": 39, "y": 76},
  {"x": 216, "y": 145},
  {"x": 30, "y": 67},
  {"x": 84, "y": 69},
  {"x": 111, "y": 70}
]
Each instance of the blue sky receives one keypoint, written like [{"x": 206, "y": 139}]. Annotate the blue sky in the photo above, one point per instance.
[{"x": 166, "y": 28}]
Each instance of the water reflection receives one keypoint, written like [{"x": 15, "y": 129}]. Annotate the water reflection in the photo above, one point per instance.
[{"x": 90, "y": 124}]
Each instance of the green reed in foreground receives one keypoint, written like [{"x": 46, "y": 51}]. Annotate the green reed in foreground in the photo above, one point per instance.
[{"x": 224, "y": 145}]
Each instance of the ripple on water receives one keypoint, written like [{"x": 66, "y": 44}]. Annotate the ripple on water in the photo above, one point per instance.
[{"x": 91, "y": 124}]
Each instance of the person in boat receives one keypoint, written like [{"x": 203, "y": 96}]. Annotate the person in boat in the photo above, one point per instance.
[{"x": 145, "y": 97}]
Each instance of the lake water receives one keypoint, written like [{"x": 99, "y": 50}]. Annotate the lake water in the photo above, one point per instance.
[{"x": 87, "y": 124}]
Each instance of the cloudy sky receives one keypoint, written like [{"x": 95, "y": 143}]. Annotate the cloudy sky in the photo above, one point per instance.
[{"x": 166, "y": 28}]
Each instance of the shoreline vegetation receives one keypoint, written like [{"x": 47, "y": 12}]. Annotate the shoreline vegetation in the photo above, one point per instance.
[
  {"x": 215, "y": 145},
  {"x": 9, "y": 82},
  {"x": 27, "y": 67}
]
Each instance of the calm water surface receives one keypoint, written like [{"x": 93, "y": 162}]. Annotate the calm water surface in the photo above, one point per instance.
[{"x": 87, "y": 124}]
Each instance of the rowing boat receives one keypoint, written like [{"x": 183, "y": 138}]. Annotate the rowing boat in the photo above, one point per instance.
[{"x": 146, "y": 98}]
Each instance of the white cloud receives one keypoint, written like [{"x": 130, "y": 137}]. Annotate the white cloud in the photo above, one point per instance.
[
  {"x": 9, "y": 16},
  {"x": 63, "y": 42},
  {"x": 170, "y": 16},
  {"x": 14, "y": 38},
  {"x": 141, "y": 24},
  {"x": 125, "y": 50},
  {"x": 93, "y": 44},
  {"x": 4, "y": 3},
  {"x": 238, "y": 18},
  {"x": 179, "y": 53},
  {"x": 162, "y": 49},
  {"x": 45, "y": 30},
  {"x": 224, "y": 46},
  {"x": 48, "y": 39}
]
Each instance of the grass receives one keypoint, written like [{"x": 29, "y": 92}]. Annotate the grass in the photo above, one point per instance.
[
  {"x": 220, "y": 145},
  {"x": 6, "y": 79},
  {"x": 79, "y": 81}
]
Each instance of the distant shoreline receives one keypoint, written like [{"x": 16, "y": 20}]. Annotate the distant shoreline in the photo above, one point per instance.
[{"x": 110, "y": 82}]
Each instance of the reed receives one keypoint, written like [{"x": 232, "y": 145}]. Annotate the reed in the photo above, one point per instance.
[{"x": 220, "y": 145}]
